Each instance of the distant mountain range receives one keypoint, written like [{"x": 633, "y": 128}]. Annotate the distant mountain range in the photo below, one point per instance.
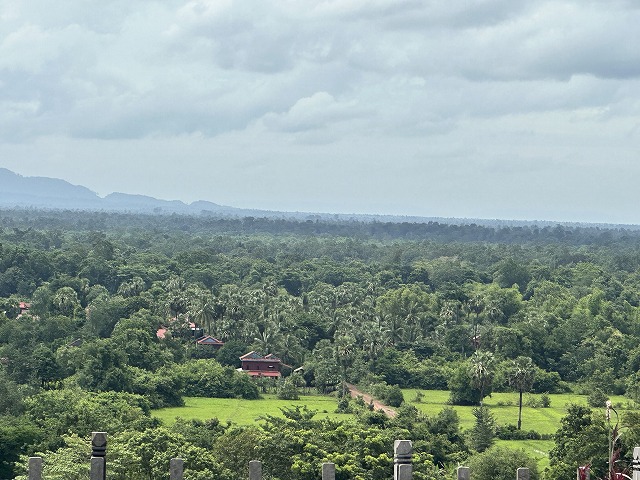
[
  {"x": 17, "y": 191},
  {"x": 53, "y": 193}
]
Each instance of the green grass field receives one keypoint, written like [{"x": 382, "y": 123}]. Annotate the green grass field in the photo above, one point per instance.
[
  {"x": 244, "y": 412},
  {"x": 504, "y": 407}
]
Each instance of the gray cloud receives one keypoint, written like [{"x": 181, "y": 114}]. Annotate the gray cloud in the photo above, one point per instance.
[{"x": 406, "y": 92}]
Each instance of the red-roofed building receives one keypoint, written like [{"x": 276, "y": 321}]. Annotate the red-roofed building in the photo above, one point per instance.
[
  {"x": 24, "y": 308},
  {"x": 210, "y": 341},
  {"x": 257, "y": 365}
]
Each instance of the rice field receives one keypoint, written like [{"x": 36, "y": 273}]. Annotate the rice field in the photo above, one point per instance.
[{"x": 246, "y": 412}]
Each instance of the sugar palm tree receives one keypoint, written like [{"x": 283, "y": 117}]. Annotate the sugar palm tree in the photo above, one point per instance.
[
  {"x": 521, "y": 375},
  {"x": 482, "y": 371}
]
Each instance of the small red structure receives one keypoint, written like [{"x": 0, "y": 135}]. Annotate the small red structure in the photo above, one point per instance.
[
  {"x": 257, "y": 365},
  {"x": 24, "y": 308}
]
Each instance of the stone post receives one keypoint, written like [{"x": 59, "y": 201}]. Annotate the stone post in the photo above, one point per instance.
[
  {"x": 99, "y": 453},
  {"x": 402, "y": 457},
  {"x": 522, "y": 474},
  {"x": 328, "y": 471},
  {"x": 255, "y": 470},
  {"x": 636, "y": 463},
  {"x": 463, "y": 473},
  {"x": 98, "y": 470},
  {"x": 35, "y": 468},
  {"x": 176, "y": 469}
]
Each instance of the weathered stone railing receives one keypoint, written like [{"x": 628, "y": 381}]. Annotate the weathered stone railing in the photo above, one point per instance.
[{"x": 402, "y": 464}]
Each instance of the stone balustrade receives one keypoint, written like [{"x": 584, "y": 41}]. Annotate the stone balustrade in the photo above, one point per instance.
[{"x": 402, "y": 464}]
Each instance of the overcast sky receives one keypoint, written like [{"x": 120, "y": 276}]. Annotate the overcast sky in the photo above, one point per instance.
[{"x": 513, "y": 109}]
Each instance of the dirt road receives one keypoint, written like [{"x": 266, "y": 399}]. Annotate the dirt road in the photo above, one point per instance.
[{"x": 355, "y": 393}]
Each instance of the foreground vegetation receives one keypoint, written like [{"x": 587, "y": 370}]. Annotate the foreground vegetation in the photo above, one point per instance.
[{"x": 473, "y": 311}]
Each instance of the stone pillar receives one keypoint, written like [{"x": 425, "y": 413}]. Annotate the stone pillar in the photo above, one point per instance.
[
  {"x": 402, "y": 457},
  {"x": 522, "y": 474},
  {"x": 463, "y": 473},
  {"x": 328, "y": 471},
  {"x": 255, "y": 470},
  {"x": 176, "y": 469},
  {"x": 636, "y": 463},
  {"x": 98, "y": 469},
  {"x": 99, "y": 452},
  {"x": 35, "y": 468}
]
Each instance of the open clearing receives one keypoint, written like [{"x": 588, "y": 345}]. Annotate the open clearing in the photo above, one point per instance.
[
  {"x": 504, "y": 406},
  {"x": 245, "y": 412}
]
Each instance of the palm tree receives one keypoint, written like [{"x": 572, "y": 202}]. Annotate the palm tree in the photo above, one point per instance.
[
  {"x": 521, "y": 376},
  {"x": 202, "y": 310},
  {"x": 481, "y": 371},
  {"x": 343, "y": 344},
  {"x": 66, "y": 301}
]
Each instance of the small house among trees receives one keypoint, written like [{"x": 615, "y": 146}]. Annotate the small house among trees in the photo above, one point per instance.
[
  {"x": 257, "y": 365},
  {"x": 24, "y": 308},
  {"x": 210, "y": 341}
]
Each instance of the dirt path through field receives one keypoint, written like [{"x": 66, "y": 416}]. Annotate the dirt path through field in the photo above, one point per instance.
[{"x": 355, "y": 393}]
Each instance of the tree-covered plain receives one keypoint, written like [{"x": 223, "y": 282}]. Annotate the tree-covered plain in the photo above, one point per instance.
[{"x": 469, "y": 308}]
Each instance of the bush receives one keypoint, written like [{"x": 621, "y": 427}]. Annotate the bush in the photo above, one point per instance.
[
  {"x": 462, "y": 392},
  {"x": 548, "y": 382},
  {"x": 597, "y": 398},
  {"x": 499, "y": 463},
  {"x": 394, "y": 396},
  {"x": 511, "y": 432},
  {"x": 288, "y": 391},
  {"x": 344, "y": 406},
  {"x": 207, "y": 378}
]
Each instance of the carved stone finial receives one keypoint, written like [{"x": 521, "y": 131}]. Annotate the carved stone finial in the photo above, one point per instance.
[
  {"x": 402, "y": 458},
  {"x": 99, "y": 444}
]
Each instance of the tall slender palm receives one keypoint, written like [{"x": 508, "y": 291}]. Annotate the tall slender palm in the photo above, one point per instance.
[{"x": 521, "y": 375}]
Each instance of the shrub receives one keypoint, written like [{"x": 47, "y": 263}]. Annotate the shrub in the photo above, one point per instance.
[
  {"x": 499, "y": 463},
  {"x": 344, "y": 406},
  {"x": 207, "y": 378},
  {"x": 597, "y": 398},
  {"x": 394, "y": 396},
  {"x": 288, "y": 391},
  {"x": 511, "y": 432}
]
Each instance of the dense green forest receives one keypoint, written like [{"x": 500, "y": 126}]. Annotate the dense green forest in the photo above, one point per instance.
[{"x": 467, "y": 308}]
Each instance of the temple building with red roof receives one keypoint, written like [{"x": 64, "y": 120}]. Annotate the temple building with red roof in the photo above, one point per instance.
[
  {"x": 210, "y": 341},
  {"x": 258, "y": 365}
]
